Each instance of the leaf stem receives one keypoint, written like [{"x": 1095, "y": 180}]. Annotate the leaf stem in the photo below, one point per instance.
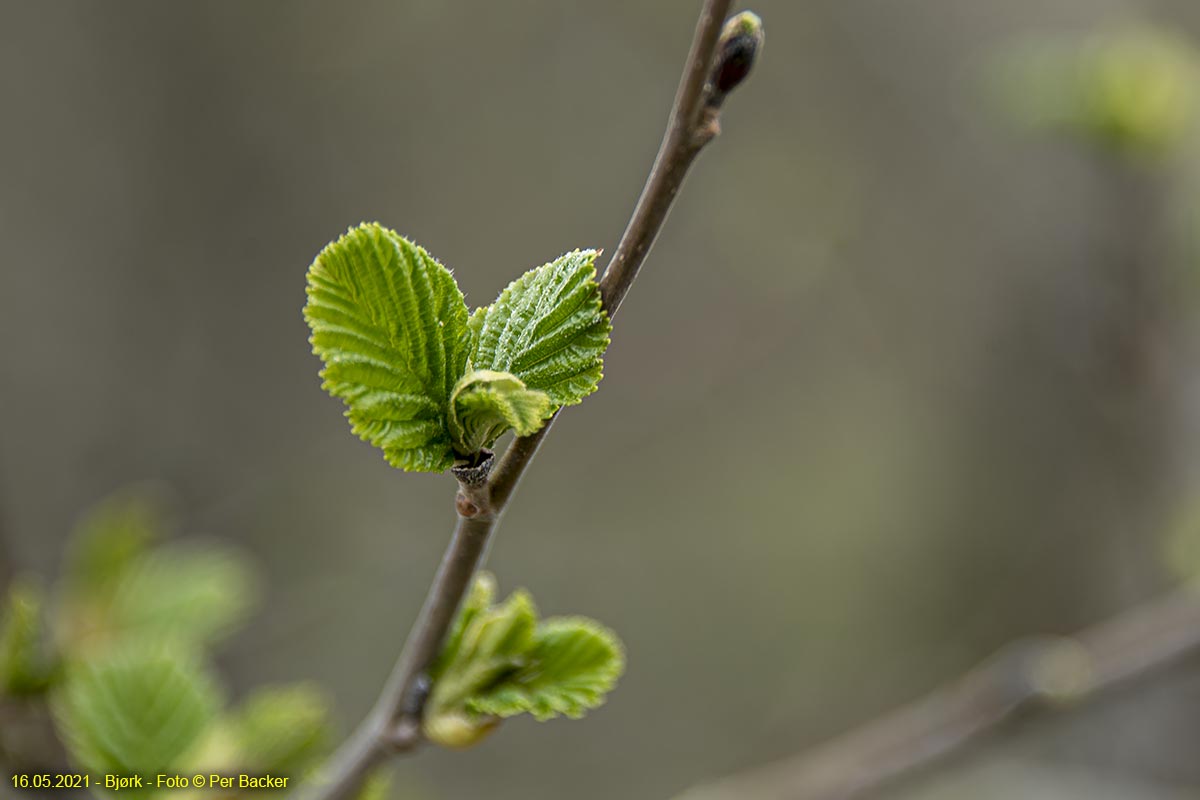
[{"x": 393, "y": 726}]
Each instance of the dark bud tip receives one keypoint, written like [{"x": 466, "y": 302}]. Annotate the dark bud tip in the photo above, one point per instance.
[
  {"x": 473, "y": 471},
  {"x": 739, "y": 45}
]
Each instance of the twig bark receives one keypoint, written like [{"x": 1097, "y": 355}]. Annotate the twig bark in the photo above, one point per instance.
[
  {"x": 394, "y": 724},
  {"x": 1038, "y": 673}
]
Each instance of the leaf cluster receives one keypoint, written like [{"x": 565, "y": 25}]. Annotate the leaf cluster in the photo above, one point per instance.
[
  {"x": 430, "y": 384},
  {"x": 500, "y": 660}
]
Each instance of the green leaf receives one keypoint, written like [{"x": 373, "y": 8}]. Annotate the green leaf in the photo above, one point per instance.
[
  {"x": 572, "y": 666},
  {"x": 135, "y": 710},
  {"x": 485, "y": 404},
  {"x": 25, "y": 667},
  {"x": 192, "y": 592},
  {"x": 389, "y": 322},
  {"x": 498, "y": 661},
  {"x": 283, "y": 729},
  {"x": 548, "y": 329}
]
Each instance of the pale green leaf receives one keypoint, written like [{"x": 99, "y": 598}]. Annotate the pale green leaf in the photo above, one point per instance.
[
  {"x": 283, "y": 729},
  {"x": 135, "y": 710},
  {"x": 548, "y": 329},
  {"x": 25, "y": 666},
  {"x": 573, "y": 664},
  {"x": 485, "y": 404},
  {"x": 192, "y": 592},
  {"x": 389, "y": 322}
]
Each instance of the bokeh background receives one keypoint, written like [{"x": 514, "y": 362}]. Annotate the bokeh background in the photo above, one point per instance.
[{"x": 903, "y": 379}]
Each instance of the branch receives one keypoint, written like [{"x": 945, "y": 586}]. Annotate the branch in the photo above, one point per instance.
[
  {"x": 720, "y": 58},
  {"x": 1035, "y": 674}
]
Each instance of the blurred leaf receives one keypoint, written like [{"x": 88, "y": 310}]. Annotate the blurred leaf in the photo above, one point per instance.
[
  {"x": 548, "y": 329},
  {"x": 283, "y": 730},
  {"x": 499, "y": 661},
  {"x": 1181, "y": 548},
  {"x": 1131, "y": 91},
  {"x": 485, "y": 404},
  {"x": 25, "y": 666},
  {"x": 191, "y": 592},
  {"x": 135, "y": 710},
  {"x": 389, "y": 322},
  {"x": 572, "y": 666},
  {"x": 110, "y": 537},
  {"x": 377, "y": 786}
]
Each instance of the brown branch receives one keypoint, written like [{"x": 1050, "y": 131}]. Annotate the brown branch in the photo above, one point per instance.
[
  {"x": 717, "y": 63},
  {"x": 1038, "y": 673}
]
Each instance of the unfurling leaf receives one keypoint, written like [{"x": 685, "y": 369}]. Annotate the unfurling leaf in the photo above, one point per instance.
[
  {"x": 496, "y": 642},
  {"x": 573, "y": 664},
  {"x": 499, "y": 661},
  {"x": 134, "y": 710},
  {"x": 485, "y": 404},
  {"x": 283, "y": 730},
  {"x": 25, "y": 666},
  {"x": 389, "y": 322},
  {"x": 548, "y": 329},
  {"x": 478, "y": 600}
]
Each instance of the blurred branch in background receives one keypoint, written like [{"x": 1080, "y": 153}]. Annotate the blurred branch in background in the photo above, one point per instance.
[{"x": 1041, "y": 673}]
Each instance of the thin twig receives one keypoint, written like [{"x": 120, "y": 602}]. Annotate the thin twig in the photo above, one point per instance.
[
  {"x": 1038, "y": 673},
  {"x": 394, "y": 724}
]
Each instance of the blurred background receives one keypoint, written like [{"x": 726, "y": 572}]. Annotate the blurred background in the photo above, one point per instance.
[{"x": 909, "y": 373}]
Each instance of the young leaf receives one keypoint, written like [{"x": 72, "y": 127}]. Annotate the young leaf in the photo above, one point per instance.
[
  {"x": 191, "y": 593},
  {"x": 572, "y": 666},
  {"x": 389, "y": 322},
  {"x": 499, "y": 661},
  {"x": 485, "y": 404},
  {"x": 25, "y": 668},
  {"x": 282, "y": 729},
  {"x": 477, "y": 601},
  {"x": 548, "y": 329},
  {"x": 493, "y": 644},
  {"x": 134, "y": 710}
]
